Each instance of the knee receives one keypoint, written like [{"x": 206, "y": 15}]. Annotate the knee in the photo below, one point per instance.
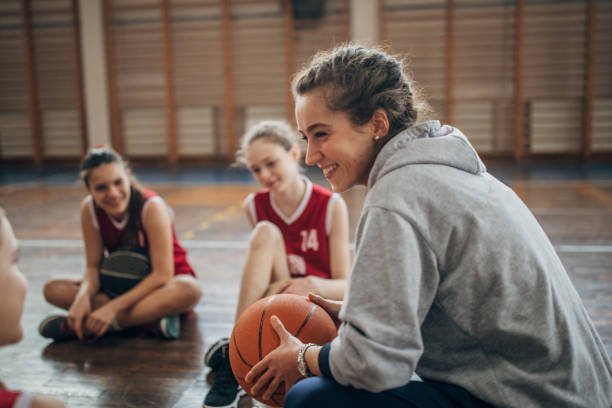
[
  {"x": 264, "y": 234},
  {"x": 189, "y": 289},
  {"x": 51, "y": 291},
  {"x": 310, "y": 392}
]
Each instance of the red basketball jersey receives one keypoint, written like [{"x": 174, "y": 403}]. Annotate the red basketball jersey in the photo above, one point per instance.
[
  {"x": 306, "y": 232},
  {"x": 15, "y": 399},
  {"x": 112, "y": 232}
]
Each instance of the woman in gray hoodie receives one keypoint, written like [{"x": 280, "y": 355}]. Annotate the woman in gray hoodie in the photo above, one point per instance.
[{"x": 453, "y": 277}]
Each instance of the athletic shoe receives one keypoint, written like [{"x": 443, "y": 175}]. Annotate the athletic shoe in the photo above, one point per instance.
[
  {"x": 56, "y": 327},
  {"x": 225, "y": 391},
  {"x": 214, "y": 355},
  {"x": 170, "y": 327}
]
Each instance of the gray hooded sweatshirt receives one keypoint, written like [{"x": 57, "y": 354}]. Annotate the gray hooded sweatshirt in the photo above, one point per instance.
[{"x": 454, "y": 279}]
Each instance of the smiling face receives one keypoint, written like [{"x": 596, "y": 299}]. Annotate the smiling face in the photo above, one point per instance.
[
  {"x": 13, "y": 286},
  {"x": 272, "y": 166},
  {"x": 109, "y": 186},
  {"x": 345, "y": 152}
]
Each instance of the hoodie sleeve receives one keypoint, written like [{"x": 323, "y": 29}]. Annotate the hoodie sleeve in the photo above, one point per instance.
[{"x": 392, "y": 286}]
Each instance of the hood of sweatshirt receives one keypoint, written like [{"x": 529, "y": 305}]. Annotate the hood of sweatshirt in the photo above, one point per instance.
[{"x": 426, "y": 143}]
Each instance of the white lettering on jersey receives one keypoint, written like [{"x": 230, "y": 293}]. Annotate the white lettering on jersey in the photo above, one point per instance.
[
  {"x": 297, "y": 265},
  {"x": 309, "y": 240}
]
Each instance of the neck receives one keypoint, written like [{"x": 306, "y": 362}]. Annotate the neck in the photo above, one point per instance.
[{"x": 289, "y": 199}]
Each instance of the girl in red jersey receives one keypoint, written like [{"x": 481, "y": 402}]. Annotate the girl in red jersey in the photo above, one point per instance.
[
  {"x": 13, "y": 288},
  {"x": 299, "y": 242},
  {"x": 118, "y": 213}
]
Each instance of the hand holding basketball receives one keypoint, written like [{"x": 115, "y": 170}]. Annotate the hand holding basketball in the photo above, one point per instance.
[
  {"x": 278, "y": 367},
  {"x": 332, "y": 307},
  {"x": 259, "y": 339}
]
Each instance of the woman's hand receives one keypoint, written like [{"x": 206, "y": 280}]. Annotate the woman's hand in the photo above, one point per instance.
[
  {"x": 78, "y": 312},
  {"x": 98, "y": 322},
  {"x": 300, "y": 286},
  {"x": 279, "y": 366},
  {"x": 332, "y": 307}
]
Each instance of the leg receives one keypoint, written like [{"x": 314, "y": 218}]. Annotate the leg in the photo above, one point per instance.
[
  {"x": 266, "y": 263},
  {"x": 179, "y": 295},
  {"x": 61, "y": 292},
  {"x": 323, "y": 392}
]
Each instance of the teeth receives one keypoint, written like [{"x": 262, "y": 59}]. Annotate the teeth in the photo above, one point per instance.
[{"x": 328, "y": 169}]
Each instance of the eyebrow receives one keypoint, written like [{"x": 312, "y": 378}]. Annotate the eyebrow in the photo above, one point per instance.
[
  {"x": 265, "y": 159},
  {"x": 314, "y": 125}
]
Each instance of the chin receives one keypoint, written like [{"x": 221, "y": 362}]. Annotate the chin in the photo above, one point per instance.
[{"x": 117, "y": 211}]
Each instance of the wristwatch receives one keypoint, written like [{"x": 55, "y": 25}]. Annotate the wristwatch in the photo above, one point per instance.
[{"x": 301, "y": 360}]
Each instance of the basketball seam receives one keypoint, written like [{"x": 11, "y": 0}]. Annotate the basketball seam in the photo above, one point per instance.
[
  {"x": 120, "y": 274},
  {"x": 261, "y": 322},
  {"x": 239, "y": 354},
  {"x": 129, "y": 253},
  {"x": 310, "y": 312}
]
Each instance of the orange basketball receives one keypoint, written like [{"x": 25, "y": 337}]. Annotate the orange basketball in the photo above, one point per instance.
[{"x": 253, "y": 336}]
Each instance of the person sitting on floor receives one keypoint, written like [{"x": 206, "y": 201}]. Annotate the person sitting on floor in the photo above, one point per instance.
[
  {"x": 119, "y": 214},
  {"x": 299, "y": 242}
]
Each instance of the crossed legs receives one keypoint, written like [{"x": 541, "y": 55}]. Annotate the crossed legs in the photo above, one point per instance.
[{"x": 180, "y": 294}]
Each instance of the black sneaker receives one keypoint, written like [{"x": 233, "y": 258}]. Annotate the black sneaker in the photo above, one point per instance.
[
  {"x": 215, "y": 353},
  {"x": 56, "y": 327},
  {"x": 225, "y": 391}
]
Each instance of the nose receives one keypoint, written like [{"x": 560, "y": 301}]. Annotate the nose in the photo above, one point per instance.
[
  {"x": 113, "y": 191},
  {"x": 313, "y": 155},
  {"x": 264, "y": 173}
]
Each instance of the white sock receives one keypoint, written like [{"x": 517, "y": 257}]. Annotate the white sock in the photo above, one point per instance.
[{"x": 114, "y": 326}]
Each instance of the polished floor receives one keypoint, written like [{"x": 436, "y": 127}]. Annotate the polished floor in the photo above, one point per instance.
[{"x": 573, "y": 202}]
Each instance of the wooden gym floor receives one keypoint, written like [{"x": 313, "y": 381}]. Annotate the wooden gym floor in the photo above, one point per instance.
[{"x": 572, "y": 202}]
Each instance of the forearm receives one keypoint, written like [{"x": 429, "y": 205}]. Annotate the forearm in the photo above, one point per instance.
[
  {"x": 312, "y": 360},
  {"x": 330, "y": 288},
  {"x": 90, "y": 284}
]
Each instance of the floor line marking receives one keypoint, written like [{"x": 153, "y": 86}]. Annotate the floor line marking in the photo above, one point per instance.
[
  {"x": 235, "y": 244},
  {"x": 77, "y": 243}
]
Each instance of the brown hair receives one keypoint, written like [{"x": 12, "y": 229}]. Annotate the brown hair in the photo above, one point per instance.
[
  {"x": 103, "y": 155},
  {"x": 272, "y": 130},
  {"x": 359, "y": 80}
]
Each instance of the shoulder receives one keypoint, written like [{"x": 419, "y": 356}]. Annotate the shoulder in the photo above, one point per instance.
[
  {"x": 248, "y": 201},
  {"x": 155, "y": 207},
  {"x": 86, "y": 202},
  {"x": 88, "y": 212}
]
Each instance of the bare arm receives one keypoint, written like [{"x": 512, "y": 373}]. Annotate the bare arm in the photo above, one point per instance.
[
  {"x": 90, "y": 285},
  {"x": 246, "y": 208}
]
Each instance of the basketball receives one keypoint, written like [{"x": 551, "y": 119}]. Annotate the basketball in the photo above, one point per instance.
[
  {"x": 121, "y": 270},
  {"x": 253, "y": 336}
]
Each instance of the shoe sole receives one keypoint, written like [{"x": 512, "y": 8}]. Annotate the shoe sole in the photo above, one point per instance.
[{"x": 213, "y": 349}]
